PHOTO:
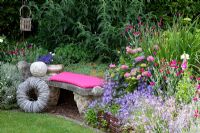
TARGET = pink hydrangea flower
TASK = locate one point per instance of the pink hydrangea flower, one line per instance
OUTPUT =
(126, 75)
(150, 58)
(112, 66)
(124, 67)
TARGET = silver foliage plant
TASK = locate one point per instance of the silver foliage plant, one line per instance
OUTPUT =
(24, 100)
(9, 80)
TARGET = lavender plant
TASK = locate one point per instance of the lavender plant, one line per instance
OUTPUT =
(9, 80)
(46, 58)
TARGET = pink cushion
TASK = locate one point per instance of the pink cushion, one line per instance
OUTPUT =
(83, 81)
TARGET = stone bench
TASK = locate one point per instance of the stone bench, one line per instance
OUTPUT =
(82, 95)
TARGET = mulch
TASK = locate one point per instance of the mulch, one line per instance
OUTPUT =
(66, 106)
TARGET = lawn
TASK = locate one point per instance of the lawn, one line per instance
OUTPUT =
(19, 122)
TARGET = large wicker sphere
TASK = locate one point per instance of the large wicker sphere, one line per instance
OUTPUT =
(38, 69)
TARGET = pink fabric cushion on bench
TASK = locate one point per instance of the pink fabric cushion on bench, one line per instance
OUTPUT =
(83, 81)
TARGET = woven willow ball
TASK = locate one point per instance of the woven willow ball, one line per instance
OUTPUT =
(38, 69)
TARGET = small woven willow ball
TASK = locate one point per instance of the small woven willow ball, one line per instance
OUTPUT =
(38, 69)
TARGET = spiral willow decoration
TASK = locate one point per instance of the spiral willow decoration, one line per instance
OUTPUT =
(25, 102)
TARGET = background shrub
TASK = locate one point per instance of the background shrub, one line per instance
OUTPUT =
(168, 8)
(95, 25)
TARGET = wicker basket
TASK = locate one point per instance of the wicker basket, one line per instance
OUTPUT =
(25, 22)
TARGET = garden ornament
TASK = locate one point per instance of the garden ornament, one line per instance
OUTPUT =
(25, 22)
(38, 69)
(25, 98)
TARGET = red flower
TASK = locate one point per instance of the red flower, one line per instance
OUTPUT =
(168, 72)
(142, 70)
(128, 27)
(136, 34)
(179, 73)
(198, 78)
(155, 64)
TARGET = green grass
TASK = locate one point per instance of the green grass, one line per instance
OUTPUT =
(19, 122)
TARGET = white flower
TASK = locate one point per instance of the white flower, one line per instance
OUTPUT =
(185, 56)
(1, 40)
(9, 97)
(53, 54)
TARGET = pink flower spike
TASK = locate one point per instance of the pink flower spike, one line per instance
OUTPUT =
(150, 58)
(152, 83)
(184, 65)
(112, 66)
(124, 67)
(126, 75)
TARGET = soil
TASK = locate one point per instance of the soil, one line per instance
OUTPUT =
(66, 106)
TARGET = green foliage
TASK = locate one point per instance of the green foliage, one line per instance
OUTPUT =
(185, 89)
(91, 117)
(9, 80)
(114, 109)
(70, 54)
(95, 25)
(9, 16)
(168, 8)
